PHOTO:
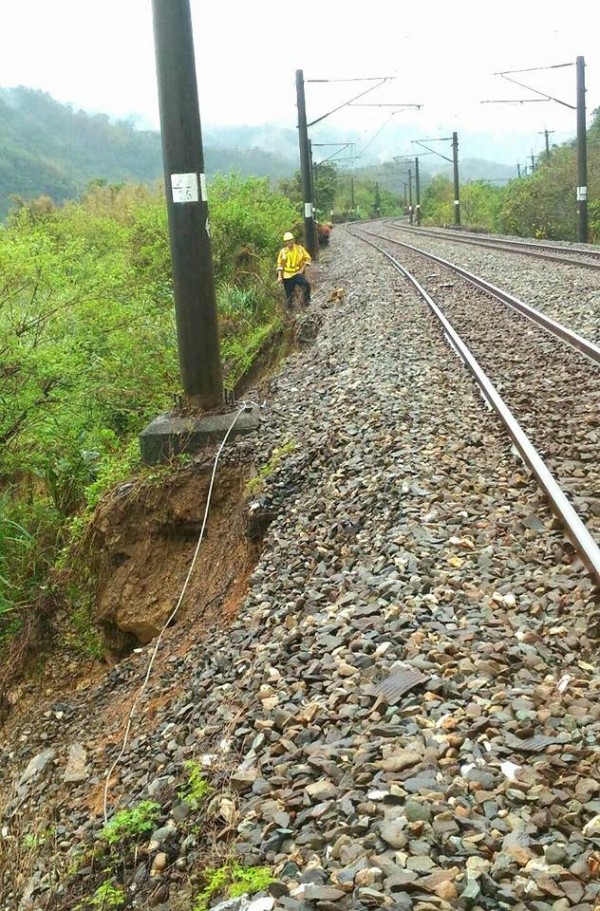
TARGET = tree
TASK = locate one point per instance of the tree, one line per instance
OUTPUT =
(326, 180)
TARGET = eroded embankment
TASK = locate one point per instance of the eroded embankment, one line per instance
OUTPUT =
(140, 545)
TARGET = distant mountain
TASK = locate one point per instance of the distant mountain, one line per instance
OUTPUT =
(478, 169)
(47, 148)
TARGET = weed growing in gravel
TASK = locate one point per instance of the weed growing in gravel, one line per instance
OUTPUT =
(196, 787)
(254, 485)
(250, 880)
(34, 840)
(106, 898)
(131, 823)
(234, 881)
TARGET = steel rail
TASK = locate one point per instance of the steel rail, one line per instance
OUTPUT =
(582, 345)
(575, 529)
(568, 256)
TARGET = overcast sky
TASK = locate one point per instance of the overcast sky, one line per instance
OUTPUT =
(99, 55)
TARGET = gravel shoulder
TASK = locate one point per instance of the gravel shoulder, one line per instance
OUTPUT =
(569, 294)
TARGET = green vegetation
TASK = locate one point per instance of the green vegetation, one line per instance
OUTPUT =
(254, 485)
(88, 356)
(197, 788)
(48, 149)
(232, 880)
(85, 639)
(107, 897)
(131, 823)
(541, 204)
(34, 840)
(334, 192)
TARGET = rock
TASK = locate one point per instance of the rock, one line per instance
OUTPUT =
(35, 767)
(243, 779)
(393, 833)
(592, 828)
(161, 837)
(397, 762)
(159, 864)
(321, 790)
(314, 893)
(417, 811)
(77, 767)
(368, 877)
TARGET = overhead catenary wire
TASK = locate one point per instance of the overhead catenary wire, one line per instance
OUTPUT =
(374, 137)
(242, 408)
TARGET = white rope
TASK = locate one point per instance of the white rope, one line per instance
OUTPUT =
(142, 689)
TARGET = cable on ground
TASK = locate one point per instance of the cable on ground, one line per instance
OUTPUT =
(242, 408)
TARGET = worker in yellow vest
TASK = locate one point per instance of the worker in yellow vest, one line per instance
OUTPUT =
(291, 263)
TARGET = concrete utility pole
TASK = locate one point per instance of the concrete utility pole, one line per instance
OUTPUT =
(418, 193)
(582, 190)
(456, 181)
(352, 194)
(185, 187)
(546, 135)
(310, 234)
(453, 161)
(377, 200)
(313, 173)
(532, 157)
(518, 168)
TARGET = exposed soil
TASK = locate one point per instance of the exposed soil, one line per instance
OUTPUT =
(142, 542)
(140, 547)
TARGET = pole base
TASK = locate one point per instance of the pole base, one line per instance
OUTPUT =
(170, 434)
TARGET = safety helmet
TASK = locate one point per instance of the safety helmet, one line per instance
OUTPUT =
(288, 235)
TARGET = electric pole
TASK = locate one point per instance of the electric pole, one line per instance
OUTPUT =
(546, 134)
(518, 168)
(532, 156)
(313, 172)
(418, 193)
(582, 206)
(352, 195)
(310, 234)
(579, 108)
(377, 201)
(456, 182)
(187, 207)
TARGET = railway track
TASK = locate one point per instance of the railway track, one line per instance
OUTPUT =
(587, 257)
(546, 374)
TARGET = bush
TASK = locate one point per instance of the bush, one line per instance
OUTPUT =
(88, 351)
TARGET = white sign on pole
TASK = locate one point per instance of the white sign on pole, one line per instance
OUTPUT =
(184, 187)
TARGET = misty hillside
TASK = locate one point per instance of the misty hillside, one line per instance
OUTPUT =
(477, 169)
(47, 148)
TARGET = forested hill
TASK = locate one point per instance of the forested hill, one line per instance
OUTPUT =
(47, 148)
